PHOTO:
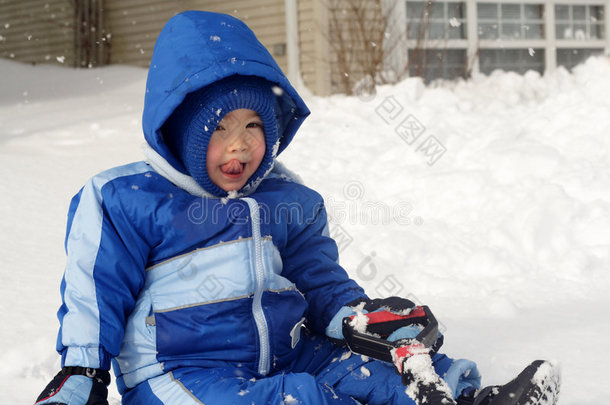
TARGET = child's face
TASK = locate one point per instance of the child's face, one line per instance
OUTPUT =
(236, 149)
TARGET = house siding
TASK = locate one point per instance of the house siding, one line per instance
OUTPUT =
(37, 31)
(314, 46)
(135, 24)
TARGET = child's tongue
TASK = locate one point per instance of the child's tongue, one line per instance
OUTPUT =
(233, 167)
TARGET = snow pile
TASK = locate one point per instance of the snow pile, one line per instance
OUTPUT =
(487, 200)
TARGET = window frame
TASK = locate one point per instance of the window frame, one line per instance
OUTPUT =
(445, 20)
(522, 21)
(571, 21)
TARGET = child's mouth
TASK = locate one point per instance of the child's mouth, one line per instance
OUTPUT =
(233, 168)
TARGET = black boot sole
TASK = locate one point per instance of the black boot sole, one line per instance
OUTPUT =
(537, 384)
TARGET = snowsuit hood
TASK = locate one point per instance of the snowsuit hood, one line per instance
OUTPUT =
(198, 48)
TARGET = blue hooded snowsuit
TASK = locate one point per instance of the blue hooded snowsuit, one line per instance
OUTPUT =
(197, 299)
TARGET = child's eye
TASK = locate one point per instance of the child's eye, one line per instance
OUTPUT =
(255, 125)
(219, 128)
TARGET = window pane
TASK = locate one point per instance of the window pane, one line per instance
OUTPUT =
(563, 31)
(511, 31)
(457, 32)
(516, 60)
(534, 31)
(415, 10)
(562, 12)
(456, 10)
(596, 13)
(597, 31)
(572, 57)
(578, 13)
(436, 30)
(533, 11)
(580, 31)
(456, 57)
(511, 12)
(488, 31)
(437, 64)
(413, 30)
(487, 11)
(437, 10)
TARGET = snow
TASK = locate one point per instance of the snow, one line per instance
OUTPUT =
(365, 371)
(289, 399)
(420, 367)
(346, 355)
(487, 200)
(359, 322)
(548, 377)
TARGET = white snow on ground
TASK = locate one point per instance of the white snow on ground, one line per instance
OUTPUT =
(505, 234)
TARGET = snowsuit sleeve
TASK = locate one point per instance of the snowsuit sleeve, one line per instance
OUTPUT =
(105, 270)
(311, 262)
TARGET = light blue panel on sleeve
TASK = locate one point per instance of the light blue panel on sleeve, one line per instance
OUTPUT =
(80, 295)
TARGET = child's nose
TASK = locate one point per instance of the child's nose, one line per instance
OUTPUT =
(238, 142)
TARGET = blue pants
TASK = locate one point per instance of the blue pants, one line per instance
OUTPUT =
(324, 374)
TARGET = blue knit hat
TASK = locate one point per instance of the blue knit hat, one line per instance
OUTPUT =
(188, 130)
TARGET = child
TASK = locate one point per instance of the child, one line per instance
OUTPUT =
(193, 274)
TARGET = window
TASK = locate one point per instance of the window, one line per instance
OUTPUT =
(437, 63)
(572, 57)
(579, 22)
(510, 21)
(437, 33)
(436, 20)
(514, 60)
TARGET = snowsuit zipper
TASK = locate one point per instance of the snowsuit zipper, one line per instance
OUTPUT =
(259, 278)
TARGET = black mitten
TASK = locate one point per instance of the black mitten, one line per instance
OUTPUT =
(76, 386)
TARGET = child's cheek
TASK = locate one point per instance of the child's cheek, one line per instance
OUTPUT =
(214, 154)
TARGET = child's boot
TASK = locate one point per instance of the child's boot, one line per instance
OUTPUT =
(537, 384)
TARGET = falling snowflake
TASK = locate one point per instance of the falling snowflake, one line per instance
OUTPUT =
(454, 22)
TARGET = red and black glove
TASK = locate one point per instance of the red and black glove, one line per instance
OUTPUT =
(392, 319)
